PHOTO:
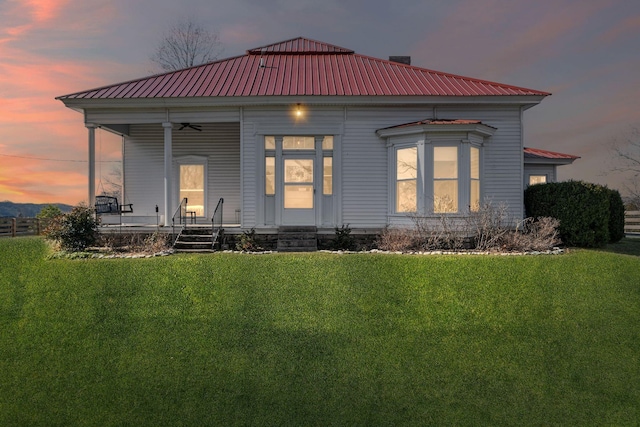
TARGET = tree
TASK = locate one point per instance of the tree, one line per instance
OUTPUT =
(627, 161)
(186, 44)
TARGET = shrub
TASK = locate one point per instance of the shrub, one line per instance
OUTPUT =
(247, 242)
(74, 231)
(532, 234)
(343, 240)
(616, 216)
(49, 212)
(488, 226)
(396, 239)
(581, 208)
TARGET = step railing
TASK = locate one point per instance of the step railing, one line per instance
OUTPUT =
(216, 222)
(181, 214)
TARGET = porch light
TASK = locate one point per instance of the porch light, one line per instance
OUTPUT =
(298, 111)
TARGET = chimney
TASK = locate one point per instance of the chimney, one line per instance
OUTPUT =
(401, 59)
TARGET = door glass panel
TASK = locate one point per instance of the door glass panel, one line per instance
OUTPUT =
(298, 143)
(298, 171)
(298, 196)
(192, 187)
(298, 183)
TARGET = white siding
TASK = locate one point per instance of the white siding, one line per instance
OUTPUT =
(502, 154)
(364, 186)
(144, 164)
(258, 122)
(539, 169)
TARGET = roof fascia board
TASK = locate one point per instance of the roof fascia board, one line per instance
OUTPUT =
(478, 129)
(532, 161)
(80, 104)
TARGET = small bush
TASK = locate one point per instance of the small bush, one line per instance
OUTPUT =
(581, 208)
(247, 242)
(532, 234)
(74, 231)
(343, 240)
(396, 239)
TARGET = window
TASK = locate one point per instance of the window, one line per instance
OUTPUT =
(269, 142)
(327, 176)
(298, 143)
(407, 179)
(474, 184)
(270, 175)
(327, 143)
(537, 179)
(445, 179)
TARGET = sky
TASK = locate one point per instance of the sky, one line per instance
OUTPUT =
(585, 52)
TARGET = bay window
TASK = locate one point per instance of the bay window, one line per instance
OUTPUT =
(406, 179)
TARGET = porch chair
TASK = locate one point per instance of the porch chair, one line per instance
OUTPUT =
(109, 205)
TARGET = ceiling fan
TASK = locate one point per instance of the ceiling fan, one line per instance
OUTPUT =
(189, 125)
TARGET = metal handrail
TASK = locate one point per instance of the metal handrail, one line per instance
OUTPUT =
(217, 213)
(182, 208)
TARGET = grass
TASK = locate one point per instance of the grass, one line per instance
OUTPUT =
(318, 339)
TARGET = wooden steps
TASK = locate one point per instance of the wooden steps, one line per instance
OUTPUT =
(194, 239)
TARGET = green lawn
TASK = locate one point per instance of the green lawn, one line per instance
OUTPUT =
(318, 339)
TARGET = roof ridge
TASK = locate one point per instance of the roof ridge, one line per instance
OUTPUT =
(330, 48)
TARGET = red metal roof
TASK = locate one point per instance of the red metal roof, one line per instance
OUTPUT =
(302, 67)
(534, 153)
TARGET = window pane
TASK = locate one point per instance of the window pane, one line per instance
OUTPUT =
(298, 196)
(298, 143)
(270, 176)
(445, 196)
(327, 169)
(445, 162)
(537, 179)
(407, 163)
(475, 163)
(192, 187)
(474, 203)
(269, 142)
(406, 196)
(327, 143)
(298, 170)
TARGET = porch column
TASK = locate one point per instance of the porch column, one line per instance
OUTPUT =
(168, 172)
(91, 127)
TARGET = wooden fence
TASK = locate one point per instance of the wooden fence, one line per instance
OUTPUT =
(632, 222)
(13, 227)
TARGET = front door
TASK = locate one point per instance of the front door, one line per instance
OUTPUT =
(298, 189)
(192, 187)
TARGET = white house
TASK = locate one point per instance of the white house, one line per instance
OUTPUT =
(307, 133)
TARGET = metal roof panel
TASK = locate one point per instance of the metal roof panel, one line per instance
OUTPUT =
(302, 67)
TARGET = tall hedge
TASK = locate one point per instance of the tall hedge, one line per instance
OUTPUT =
(582, 208)
(616, 216)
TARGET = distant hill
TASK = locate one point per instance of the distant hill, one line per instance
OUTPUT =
(27, 210)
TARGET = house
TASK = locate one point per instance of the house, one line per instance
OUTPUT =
(303, 132)
(540, 166)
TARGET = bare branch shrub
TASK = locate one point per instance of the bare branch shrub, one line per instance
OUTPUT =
(489, 225)
(396, 239)
(135, 242)
(439, 233)
(533, 234)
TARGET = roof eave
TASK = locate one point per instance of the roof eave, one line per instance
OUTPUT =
(540, 161)
(83, 103)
